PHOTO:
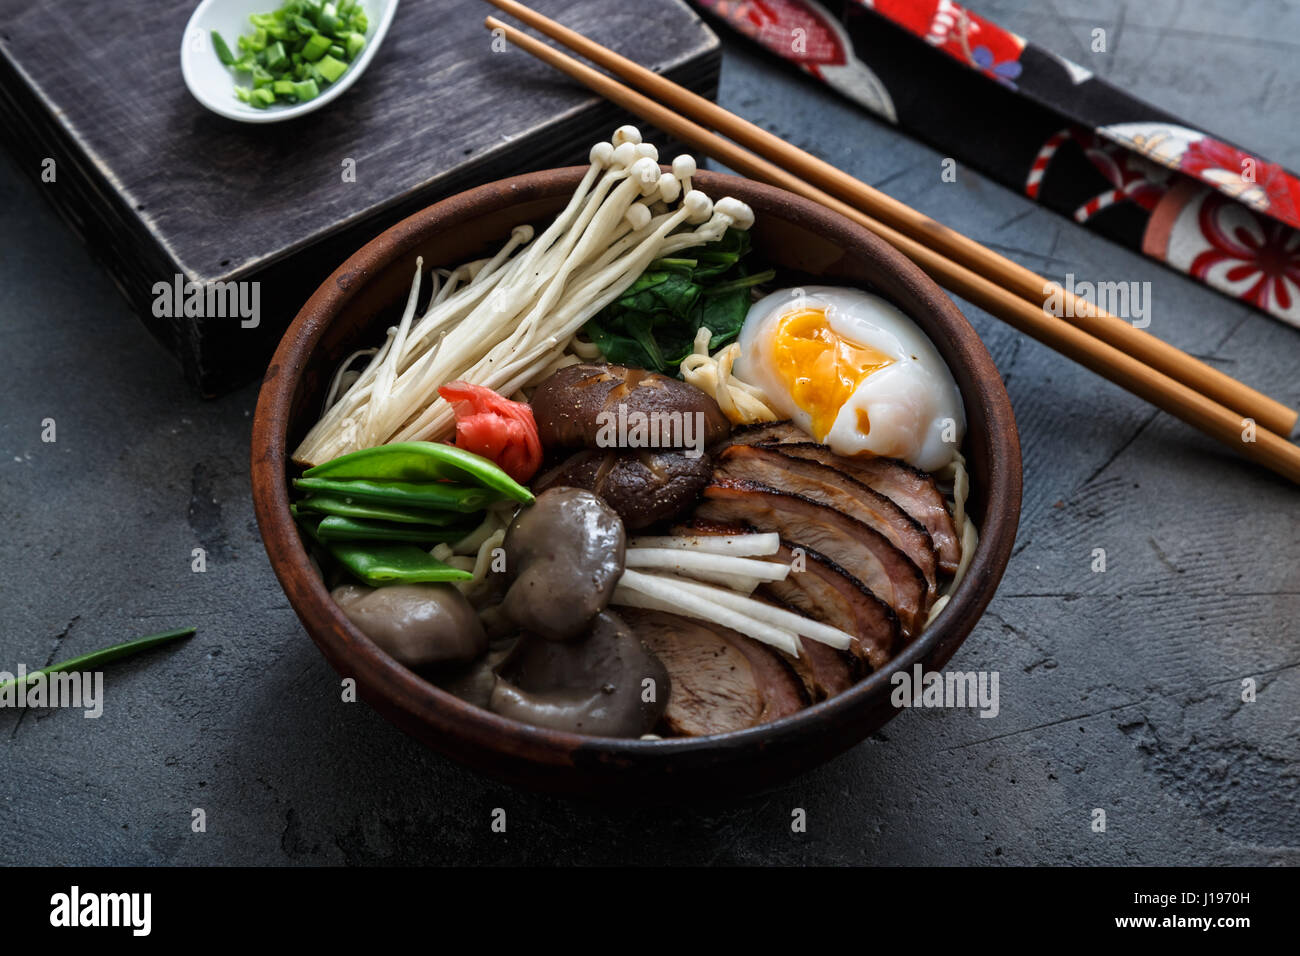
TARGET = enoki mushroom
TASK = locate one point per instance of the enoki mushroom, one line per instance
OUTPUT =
(506, 322)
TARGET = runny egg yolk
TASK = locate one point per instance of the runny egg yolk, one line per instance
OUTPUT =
(820, 368)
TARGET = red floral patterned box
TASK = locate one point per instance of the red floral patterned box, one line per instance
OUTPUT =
(1048, 127)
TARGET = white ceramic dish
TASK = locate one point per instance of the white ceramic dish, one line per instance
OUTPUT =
(213, 83)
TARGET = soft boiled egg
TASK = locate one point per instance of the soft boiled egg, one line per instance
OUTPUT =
(855, 373)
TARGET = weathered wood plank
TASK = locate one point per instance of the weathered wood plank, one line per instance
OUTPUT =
(157, 185)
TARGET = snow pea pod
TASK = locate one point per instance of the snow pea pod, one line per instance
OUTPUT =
(337, 505)
(339, 528)
(422, 461)
(379, 563)
(426, 495)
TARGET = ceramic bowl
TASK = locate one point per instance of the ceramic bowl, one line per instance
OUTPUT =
(365, 295)
(213, 83)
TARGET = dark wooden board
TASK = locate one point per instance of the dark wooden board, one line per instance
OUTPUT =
(156, 185)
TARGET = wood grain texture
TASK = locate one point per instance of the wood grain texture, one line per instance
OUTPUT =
(157, 185)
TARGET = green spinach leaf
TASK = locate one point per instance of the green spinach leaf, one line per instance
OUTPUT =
(653, 324)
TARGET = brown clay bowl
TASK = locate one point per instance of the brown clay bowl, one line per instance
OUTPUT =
(365, 294)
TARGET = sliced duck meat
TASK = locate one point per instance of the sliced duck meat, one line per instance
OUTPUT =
(826, 592)
(910, 488)
(820, 589)
(765, 433)
(721, 681)
(769, 465)
(823, 671)
(857, 548)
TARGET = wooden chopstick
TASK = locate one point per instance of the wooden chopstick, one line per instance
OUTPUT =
(953, 245)
(1124, 370)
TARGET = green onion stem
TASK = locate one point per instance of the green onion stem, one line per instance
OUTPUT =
(105, 655)
(742, 283)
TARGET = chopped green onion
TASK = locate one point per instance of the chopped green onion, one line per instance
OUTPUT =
(276, 57)
(331, 68)
(316, 47)
(292, 52)
(223, 51)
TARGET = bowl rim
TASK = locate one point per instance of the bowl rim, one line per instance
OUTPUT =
(354, 655)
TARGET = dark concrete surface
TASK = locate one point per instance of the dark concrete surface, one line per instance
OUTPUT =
(1119, 690)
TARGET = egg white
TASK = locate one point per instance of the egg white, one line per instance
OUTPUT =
(912, 404)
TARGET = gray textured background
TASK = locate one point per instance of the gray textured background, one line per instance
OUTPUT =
(1118, 690)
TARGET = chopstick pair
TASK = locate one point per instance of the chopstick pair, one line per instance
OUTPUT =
(1166, 377)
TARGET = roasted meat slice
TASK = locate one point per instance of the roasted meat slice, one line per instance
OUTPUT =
(824, 671)
(769, 465)
(764, 433)
(825, 592)
(721, 681)
(911, 489)
(822, 592)
(861, 551)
